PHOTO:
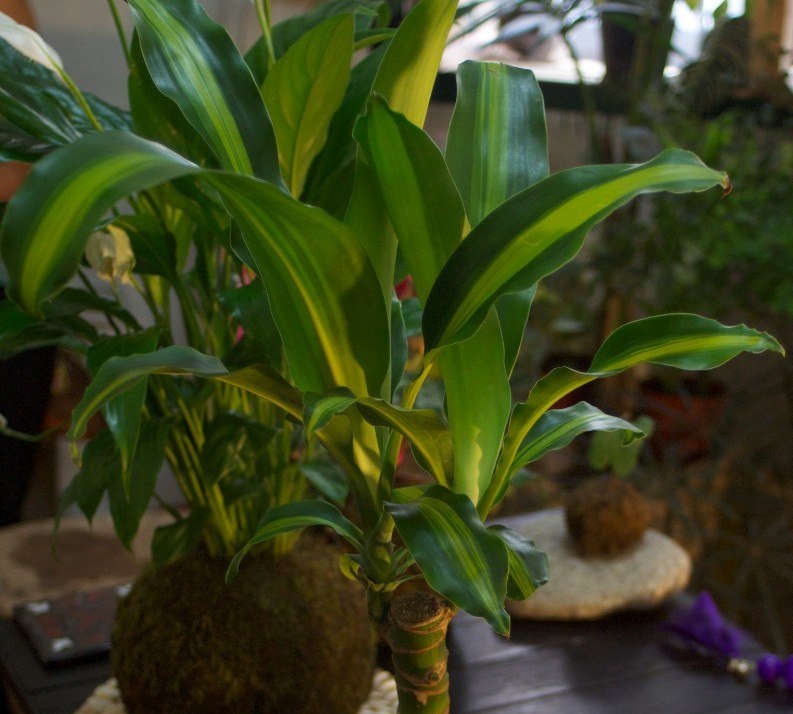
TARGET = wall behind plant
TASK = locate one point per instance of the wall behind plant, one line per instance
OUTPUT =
(82, 31)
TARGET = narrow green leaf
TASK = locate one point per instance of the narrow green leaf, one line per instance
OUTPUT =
(539, 230)
(194, 62)
(528, 565)
(119, 374)
(460, 558)
(473, 373)
(123, 413)
(296, 516)
(332, 175)
(47, 223)
(404, 79)
(263, 381)
(157, 117)
(302, 92)
(556, 428)
(127, 505)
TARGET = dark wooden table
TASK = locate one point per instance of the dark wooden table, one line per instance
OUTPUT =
(612, 666)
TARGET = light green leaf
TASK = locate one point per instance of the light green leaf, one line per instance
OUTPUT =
(473, 373)
(302, 91)
(419, 194)
(48, 222)
(330, 181)
(194, 62)
(539, 230)
(296, 516)
(460, 558)
(528, 565)
(556, 428)
(404, 79)
(407, 74)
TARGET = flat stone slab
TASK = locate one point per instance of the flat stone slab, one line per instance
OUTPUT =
(590, 588)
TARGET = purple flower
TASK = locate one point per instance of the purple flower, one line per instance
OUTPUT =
(703, 628)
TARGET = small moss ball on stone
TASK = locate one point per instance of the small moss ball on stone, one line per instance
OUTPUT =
(606, 516)
(287, 635)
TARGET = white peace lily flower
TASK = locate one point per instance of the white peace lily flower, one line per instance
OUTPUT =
(109, 253)
(29, 43)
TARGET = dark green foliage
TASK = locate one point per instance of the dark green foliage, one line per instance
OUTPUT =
(287, 636)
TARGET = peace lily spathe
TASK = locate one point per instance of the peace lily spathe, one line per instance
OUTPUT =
(29, 43)
(110, 254)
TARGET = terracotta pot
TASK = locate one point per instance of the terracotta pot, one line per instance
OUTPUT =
(685, 419)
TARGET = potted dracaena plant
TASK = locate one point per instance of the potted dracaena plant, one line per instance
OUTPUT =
(330, 183)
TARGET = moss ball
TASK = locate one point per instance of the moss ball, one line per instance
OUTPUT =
(287, 635)
(606, 517)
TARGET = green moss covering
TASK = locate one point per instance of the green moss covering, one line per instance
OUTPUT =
(288, 636)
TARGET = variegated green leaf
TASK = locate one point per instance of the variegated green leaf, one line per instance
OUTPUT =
(423, 428)
(460, 558)
(404, 79)
(539, 230)
(194, 62)
(321, 408)
(497, 147)
(556, 428)
(48, 222)
(422, 202)
(321, 287)
(676, 340)
(408, 71)
(428, 218)
(302, 92)
(528, 565)
(497, 142)
(296, 516)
